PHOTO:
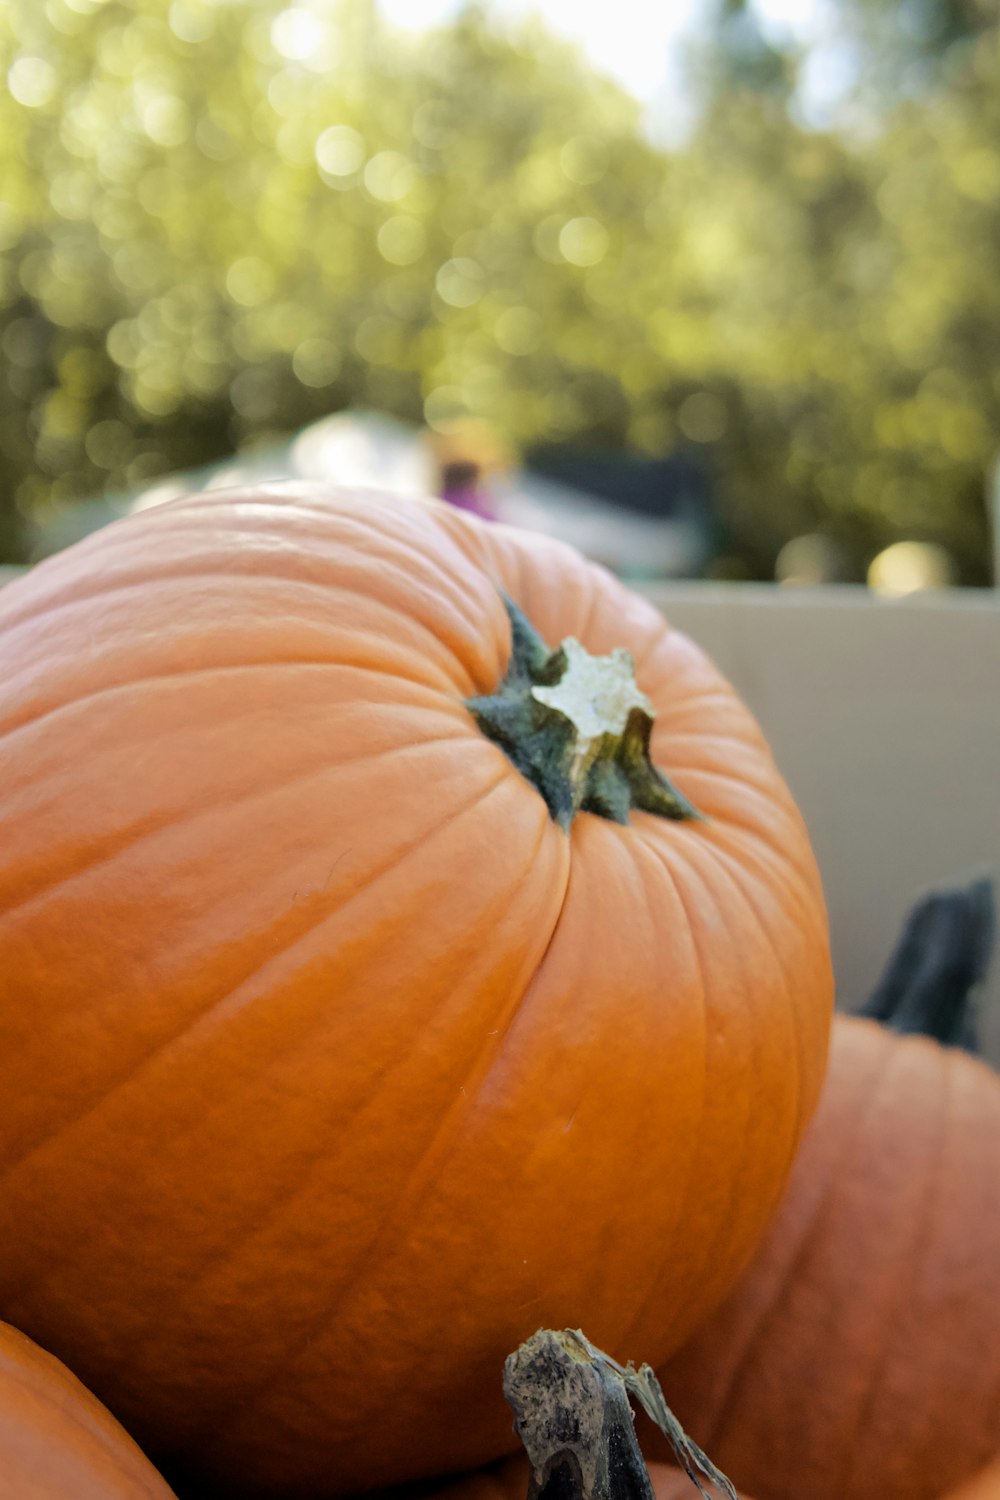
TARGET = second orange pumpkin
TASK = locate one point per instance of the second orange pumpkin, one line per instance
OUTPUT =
(859, 1357)
(56, 1441)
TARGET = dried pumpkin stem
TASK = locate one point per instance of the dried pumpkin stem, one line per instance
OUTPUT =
(572, 1413)
(932, 981)
(578, 727)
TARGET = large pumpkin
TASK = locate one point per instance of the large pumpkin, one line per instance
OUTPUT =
(859, 1357)
(56, 1441)
(337, 1057)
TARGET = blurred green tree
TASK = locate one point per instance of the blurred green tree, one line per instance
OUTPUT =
(732, 54)
(219, 221)
(904, 47)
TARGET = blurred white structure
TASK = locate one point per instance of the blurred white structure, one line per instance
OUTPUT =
(373, 451)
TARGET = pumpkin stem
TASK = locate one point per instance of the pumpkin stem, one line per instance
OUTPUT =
(578, 727)
(931, 981)
(571, 1411)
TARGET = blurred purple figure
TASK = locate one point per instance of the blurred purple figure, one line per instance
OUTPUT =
(460, 484)
(465, 459)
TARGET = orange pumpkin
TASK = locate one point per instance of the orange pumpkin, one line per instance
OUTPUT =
(982, 1486)
(338, 1058)
(859, 1358)
(56, 1441)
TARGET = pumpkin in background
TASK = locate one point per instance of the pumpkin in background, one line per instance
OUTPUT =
(859, 1357)
(982, 1486)
(338, 1054)
(56, 1441)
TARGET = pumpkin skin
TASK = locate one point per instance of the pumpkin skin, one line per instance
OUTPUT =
(859, 1357)
(57, 1442)
(333, 1066)
(982, 1486)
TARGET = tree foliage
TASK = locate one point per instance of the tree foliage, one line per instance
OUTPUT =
(219, 221)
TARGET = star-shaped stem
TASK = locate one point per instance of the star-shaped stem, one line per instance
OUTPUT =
(578, 727)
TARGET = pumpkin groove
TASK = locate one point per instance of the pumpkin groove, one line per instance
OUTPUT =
(316, 1038)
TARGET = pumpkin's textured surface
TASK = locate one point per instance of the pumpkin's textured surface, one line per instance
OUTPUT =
(56, 1441)
(859, 1357)
(333, 1065)
(982, 1486)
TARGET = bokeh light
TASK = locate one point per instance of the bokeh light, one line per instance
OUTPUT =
(909, 568)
